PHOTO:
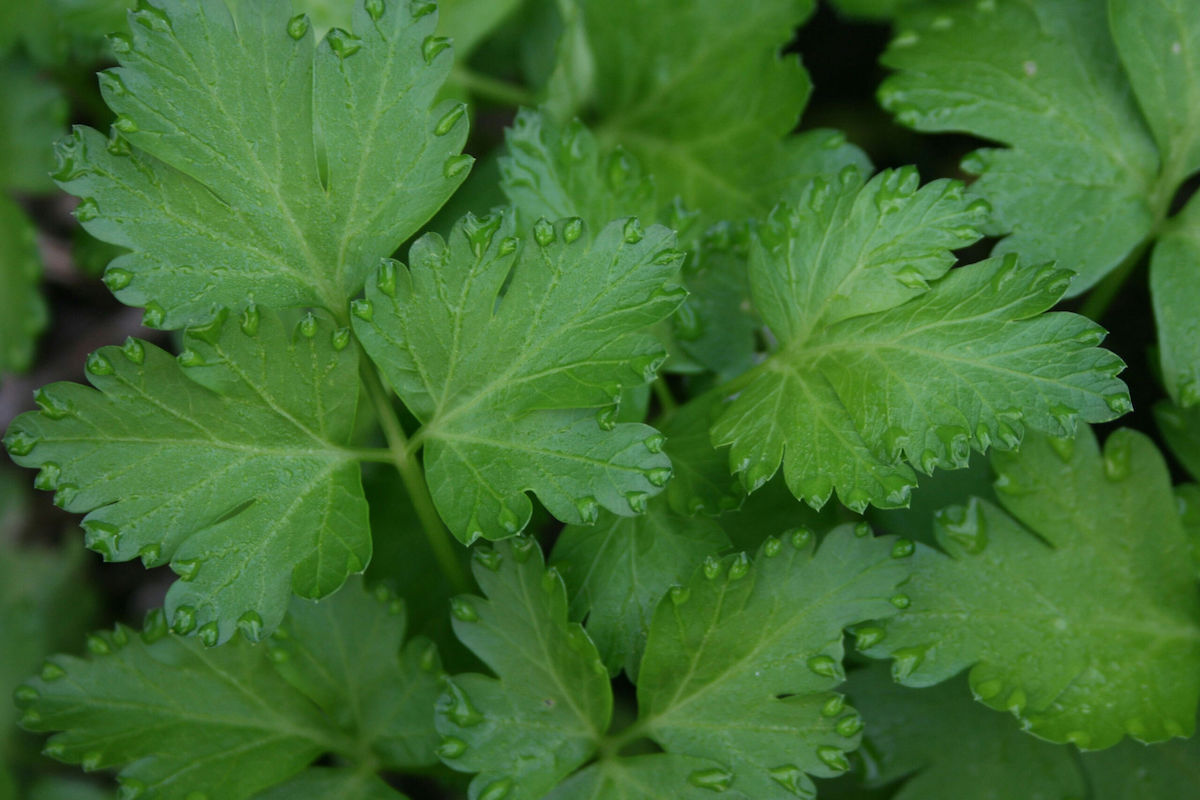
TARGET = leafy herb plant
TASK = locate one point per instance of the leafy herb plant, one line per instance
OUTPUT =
(629, 423)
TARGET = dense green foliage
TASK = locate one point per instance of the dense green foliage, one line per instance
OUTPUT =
(714, 392)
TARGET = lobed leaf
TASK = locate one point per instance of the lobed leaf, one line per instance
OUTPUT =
(249, 162)
(1078, 610)
(515, 389)
(229, 463)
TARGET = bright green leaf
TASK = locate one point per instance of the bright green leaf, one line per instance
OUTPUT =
(617, 570)
(20, 273)
(542, 716)
(264, 165)
(517, 395)
(741, 660)
(949, 748)
(1077, 182)
(885, 355)
(1080, 612)
(228, 463)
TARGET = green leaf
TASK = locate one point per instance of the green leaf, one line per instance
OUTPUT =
(468, 22)
(179, 719)
(34, 113)
(1131, 771)
(347, 655)
(1175, 292)
(1181, 430)
(949, 748)
(700, 482)
(1076, 183)
(228, 463)
(264, 165)
(322, 783)
(741, 660)
(885, 355)
(1159, 43)
(542, 716)
(1080, 612)
(660, 776)
(617, 570)
(517, 395)
(699, 92)
(20, 274)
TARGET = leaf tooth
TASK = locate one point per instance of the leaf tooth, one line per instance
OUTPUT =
(588, 508)
(117, 279)
(632, 232)
(451, 747)
(833, 757)
(102, 537)
(251, 626)
(153, 315)
(184, 621)
(363, 309)
(209, 634)
(462, 610)
(637, 501)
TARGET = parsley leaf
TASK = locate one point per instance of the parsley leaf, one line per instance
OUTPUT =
(1080, 612)
(283, 183)
(544, 713)
(507, 392)
(34, 113)
(1175, 292)
(883, 354)
(617, 570)
(179, 718)
(228, 462)
(20, 272)
(322, 783)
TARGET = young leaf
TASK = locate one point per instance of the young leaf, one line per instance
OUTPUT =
(1080, 612)
(876, 364)
(617, 570)
(1175, 291)
(507, 388)
(1077, 183)
(741, 660)
(264, 165)
(701, 95)
(228, 463)
(180, 719)
(543, 715)
(949, 748)
(20, 272)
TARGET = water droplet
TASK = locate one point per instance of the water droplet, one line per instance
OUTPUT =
(862, 530)
(906, 660)
(25, 695)
(508, 246)
(1016, 701)
(572, 230)
(488, 558)
(497, 790)
(51, 672)
(185, 620)
(911, 278)
(867, 636)
(988, 689)
(715, 779)
(432, 46)
(429, 658)
(297, 26)
(1120, 403)
(374, 9)
(906, 38)
(362, 309)
(131, 788)
(103, 538)
(251, 626)
(1065, 416)
(96, 645)
(633, 232)
(712, 567)
(87, 210)
(543, 232)
(637, 501)
(522, 548)
(117, 279)
(152, 17)
(91, 761)
(824, 665)
(308, 326)
(457, 706)
(849, 725)
(680, 595)
(449, 120)
(688, 325)
(658, 475)
(457, 165)
(111, 84)
(187, 568)
(1118, 457)
(153, 315)
(343, 43)
(739, 567)
(618, 168)
(801, 538)
(340, 339)
(903, 548)
(154, 627)
(189, 358)
(833, 758)
(451, 747)
(463, 610)
(589, 509)
(421, 8)
(901, 601)
(550, 580)
(125, 125)
(208, 634)
(757, 475)
(98, 364)
(47, 477)
(120, 43)
(151, 555)
(772, 547)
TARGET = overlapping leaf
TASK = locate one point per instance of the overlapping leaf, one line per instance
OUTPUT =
(543, 715)
(229, 463)
(884, 355)
(1076, 184)
(1080, 612)
(734, 683)
(20, 272)
(617, 570)
(32, 114)
(249, 162)
(1175, 291)
(181, 720)
(515, 393)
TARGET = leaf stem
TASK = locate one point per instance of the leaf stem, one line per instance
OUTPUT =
(403, 457)
(493, 89)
